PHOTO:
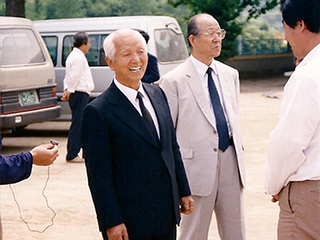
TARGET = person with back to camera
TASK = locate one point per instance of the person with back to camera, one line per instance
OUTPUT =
(78, 84)
(135, 172)
(293, 160)
(152, 72)
(203, 96)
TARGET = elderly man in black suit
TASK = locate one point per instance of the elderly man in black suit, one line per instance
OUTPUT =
(135, 172)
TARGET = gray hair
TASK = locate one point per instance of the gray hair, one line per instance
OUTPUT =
(109, 46)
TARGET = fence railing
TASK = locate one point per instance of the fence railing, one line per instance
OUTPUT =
(262, 46)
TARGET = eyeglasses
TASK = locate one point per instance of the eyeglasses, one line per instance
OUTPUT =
(221, 34)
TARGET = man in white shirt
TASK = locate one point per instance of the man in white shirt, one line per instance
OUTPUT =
(78, 84)
(293, 163)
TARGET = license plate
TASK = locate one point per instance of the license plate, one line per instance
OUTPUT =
(28, 97)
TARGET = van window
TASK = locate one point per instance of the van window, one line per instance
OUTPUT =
(170, 46)
(95, 55)
(52, 45)
(19, 47)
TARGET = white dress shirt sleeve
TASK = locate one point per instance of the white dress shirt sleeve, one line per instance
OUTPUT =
(293, 151)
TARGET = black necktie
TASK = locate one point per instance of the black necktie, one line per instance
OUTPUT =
(222, 127)
(147, 117)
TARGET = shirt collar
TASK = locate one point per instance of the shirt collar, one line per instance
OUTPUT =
(78, 50)
(130, 93)
(314, 52)
(201, 67)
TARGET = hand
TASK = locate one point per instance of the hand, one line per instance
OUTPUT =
(66, 95)
(275, 198)
(118, 232)
(187, 205)
(45, 154)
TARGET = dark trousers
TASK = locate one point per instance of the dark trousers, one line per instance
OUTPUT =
(171, 235)
(77, 102)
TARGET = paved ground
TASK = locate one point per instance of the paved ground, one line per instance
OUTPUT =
(69, 196)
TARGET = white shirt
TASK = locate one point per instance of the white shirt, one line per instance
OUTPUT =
(78, 74)
(294, 151)
(202, 70)
(131, 94)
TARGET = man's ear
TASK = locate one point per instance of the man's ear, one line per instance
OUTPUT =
(110, 63)
(191, 40)
(302, 25)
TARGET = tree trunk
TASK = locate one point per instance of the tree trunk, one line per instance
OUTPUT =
(15, 8)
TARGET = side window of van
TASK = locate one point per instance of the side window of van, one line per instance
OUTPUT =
(66, 48)
(101, 53)
(19, 47)
(52, 45)
(95, 55)
(170, 46)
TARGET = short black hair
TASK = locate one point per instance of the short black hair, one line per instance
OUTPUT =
(145, 35)
(298, 10)
(193, 28)
(80, 38)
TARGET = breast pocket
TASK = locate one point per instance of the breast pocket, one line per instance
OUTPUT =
(187, 153)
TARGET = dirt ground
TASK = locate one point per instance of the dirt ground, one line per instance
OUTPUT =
(69, 196)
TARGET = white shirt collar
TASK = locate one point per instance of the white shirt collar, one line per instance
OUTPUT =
(78, 50)
(130, 93)
(309, 57)
(201, 67)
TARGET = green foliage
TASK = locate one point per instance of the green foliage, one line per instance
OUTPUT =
(260, 37)
(2, 7)
(228, 12)
(55, 9)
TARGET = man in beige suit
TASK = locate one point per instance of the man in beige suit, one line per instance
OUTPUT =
(210, 141)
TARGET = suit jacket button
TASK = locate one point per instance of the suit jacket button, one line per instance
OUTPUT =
(215, 149)
(214, 131)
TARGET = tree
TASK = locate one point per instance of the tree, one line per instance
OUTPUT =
(65, 9)
(260, 37)
(15, 8)
(227, 12)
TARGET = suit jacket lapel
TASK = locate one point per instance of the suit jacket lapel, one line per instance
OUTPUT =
(199, 94)
(225, 81)
(128, 114)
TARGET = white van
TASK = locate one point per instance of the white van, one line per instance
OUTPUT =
(166, 43)
(27, 78)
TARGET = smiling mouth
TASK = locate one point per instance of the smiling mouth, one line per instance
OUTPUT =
(136, 69)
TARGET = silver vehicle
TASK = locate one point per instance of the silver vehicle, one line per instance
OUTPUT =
(27, 78)
(166, 43)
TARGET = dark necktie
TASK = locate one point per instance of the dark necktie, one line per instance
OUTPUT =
(147, 117)
(222, 127)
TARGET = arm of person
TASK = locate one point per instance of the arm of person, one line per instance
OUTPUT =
(73, 69)
(171, 96)
(118, 232)
(187, 205)
(45, 154)
(15, 168)
(66, 95)
(289, 141)
(183, 184)
(96, 147)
